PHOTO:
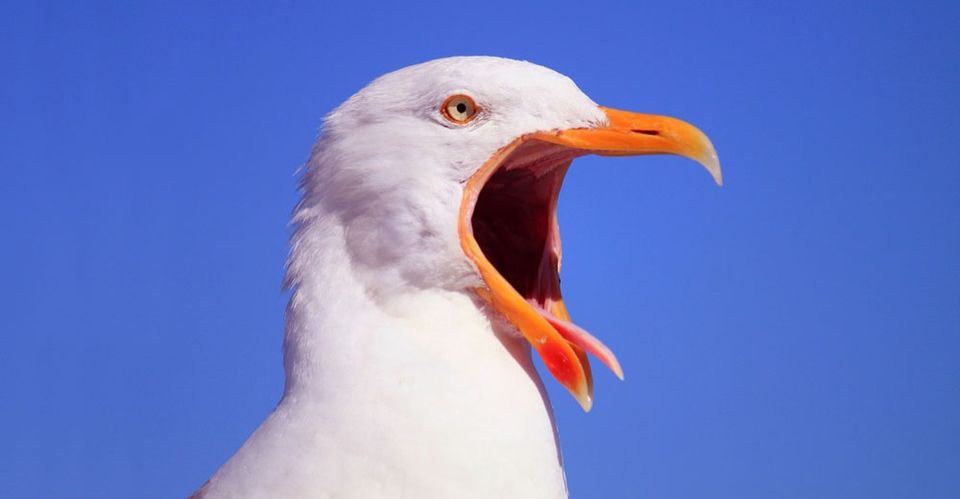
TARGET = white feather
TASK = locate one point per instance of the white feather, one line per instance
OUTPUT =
(399, 382)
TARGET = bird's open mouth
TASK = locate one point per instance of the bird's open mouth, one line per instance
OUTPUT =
(508, 228)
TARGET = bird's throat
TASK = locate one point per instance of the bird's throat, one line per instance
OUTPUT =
(422, 381)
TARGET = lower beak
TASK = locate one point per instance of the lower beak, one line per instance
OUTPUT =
(560, 344)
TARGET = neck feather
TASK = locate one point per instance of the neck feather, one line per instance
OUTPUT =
(398, 390)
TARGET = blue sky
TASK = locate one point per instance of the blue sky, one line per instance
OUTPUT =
(795, 333)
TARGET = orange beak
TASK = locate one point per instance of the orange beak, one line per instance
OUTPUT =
(531, 301)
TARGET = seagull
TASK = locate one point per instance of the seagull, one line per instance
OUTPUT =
(424, 272)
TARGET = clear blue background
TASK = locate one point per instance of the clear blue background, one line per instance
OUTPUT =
(793, 334)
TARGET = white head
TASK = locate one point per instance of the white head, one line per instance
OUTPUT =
(446, 174)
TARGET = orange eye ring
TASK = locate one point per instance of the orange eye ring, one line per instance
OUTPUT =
(459, 109)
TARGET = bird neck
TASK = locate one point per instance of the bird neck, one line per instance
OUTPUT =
(346, 310)
(344, 319)
(421, 379)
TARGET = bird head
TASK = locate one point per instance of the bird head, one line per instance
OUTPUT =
(446, 175)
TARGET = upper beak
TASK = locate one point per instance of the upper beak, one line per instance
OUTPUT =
(632, 134)
(560, 344)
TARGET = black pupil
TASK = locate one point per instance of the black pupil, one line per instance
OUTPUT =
(461, 108)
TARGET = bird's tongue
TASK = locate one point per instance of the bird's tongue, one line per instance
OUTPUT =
(547, 299)
(578, 336)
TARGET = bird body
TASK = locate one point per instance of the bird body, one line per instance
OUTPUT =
(407, 354)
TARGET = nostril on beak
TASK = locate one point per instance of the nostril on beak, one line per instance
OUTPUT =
(646, 132)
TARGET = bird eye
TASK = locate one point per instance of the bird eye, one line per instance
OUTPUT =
(459, 109)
